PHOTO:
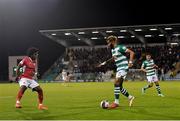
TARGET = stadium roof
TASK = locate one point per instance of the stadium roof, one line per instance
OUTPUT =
(139, 34)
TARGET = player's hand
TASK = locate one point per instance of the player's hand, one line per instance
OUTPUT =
(130, 64)
(114, 57)
(17, 79)
(102, 64)
(155, 66)
(144, 70)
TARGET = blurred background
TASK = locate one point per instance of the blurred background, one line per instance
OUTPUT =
(26, 23)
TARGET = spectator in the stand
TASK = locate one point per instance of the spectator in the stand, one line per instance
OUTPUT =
(65, 77)
(172, 74)
(159, 73)
(162, 74)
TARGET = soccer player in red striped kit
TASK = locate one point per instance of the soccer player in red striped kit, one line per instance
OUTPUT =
(26, 79)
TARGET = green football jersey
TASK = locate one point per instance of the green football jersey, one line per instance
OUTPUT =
(121, 60)
(148, 66)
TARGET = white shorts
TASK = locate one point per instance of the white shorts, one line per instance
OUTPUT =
(152, 78)
(29, 83)
(121, 73)
(64, 78)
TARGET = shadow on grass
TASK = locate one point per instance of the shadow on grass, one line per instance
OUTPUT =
(34, 114)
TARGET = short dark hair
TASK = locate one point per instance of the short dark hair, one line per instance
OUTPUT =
(148, 53)
(31, 51)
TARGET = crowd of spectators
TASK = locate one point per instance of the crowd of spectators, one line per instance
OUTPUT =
(164, 56)
(86, 59)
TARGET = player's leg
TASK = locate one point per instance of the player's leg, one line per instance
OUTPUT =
(124, 91)
(39, 90)
(150, 84)
(19, 96)
(35, 87)
(120, 76)
(64, 81)
(147, 87)
(116, 95)
(116, 91)
(23, 86)
(158, 86)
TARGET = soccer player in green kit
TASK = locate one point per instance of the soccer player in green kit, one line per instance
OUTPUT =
(118, 54)
(149, 68)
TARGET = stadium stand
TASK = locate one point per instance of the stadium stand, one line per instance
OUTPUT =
(83, 60)
(86, 58)
(86, 47)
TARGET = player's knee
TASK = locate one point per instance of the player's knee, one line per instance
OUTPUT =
(37, 89)
(23, 88)
(121, 81)
(40, 90)
(116, 82)
(156, 83)
(150, 85)
(34, 89)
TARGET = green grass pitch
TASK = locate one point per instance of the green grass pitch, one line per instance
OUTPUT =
(81, 101)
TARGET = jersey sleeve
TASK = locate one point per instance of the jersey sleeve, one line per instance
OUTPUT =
(23, 62)
(122, 48)
(153, 61)
(143, 65)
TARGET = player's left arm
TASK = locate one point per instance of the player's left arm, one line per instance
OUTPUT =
(130, 64)
(35, 76)
(142, 69)
(155, 66)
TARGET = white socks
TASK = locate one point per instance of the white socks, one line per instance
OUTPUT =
(17, 101)
(116, 101)
(130, 96)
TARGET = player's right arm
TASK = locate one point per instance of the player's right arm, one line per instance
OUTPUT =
(143, 68)
(18, 73)
(105, 62)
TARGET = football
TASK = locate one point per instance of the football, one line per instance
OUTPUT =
(104, 104)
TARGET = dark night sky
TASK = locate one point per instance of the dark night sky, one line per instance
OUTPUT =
(20, 21)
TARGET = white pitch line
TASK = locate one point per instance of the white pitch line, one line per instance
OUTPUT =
(5, 97)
